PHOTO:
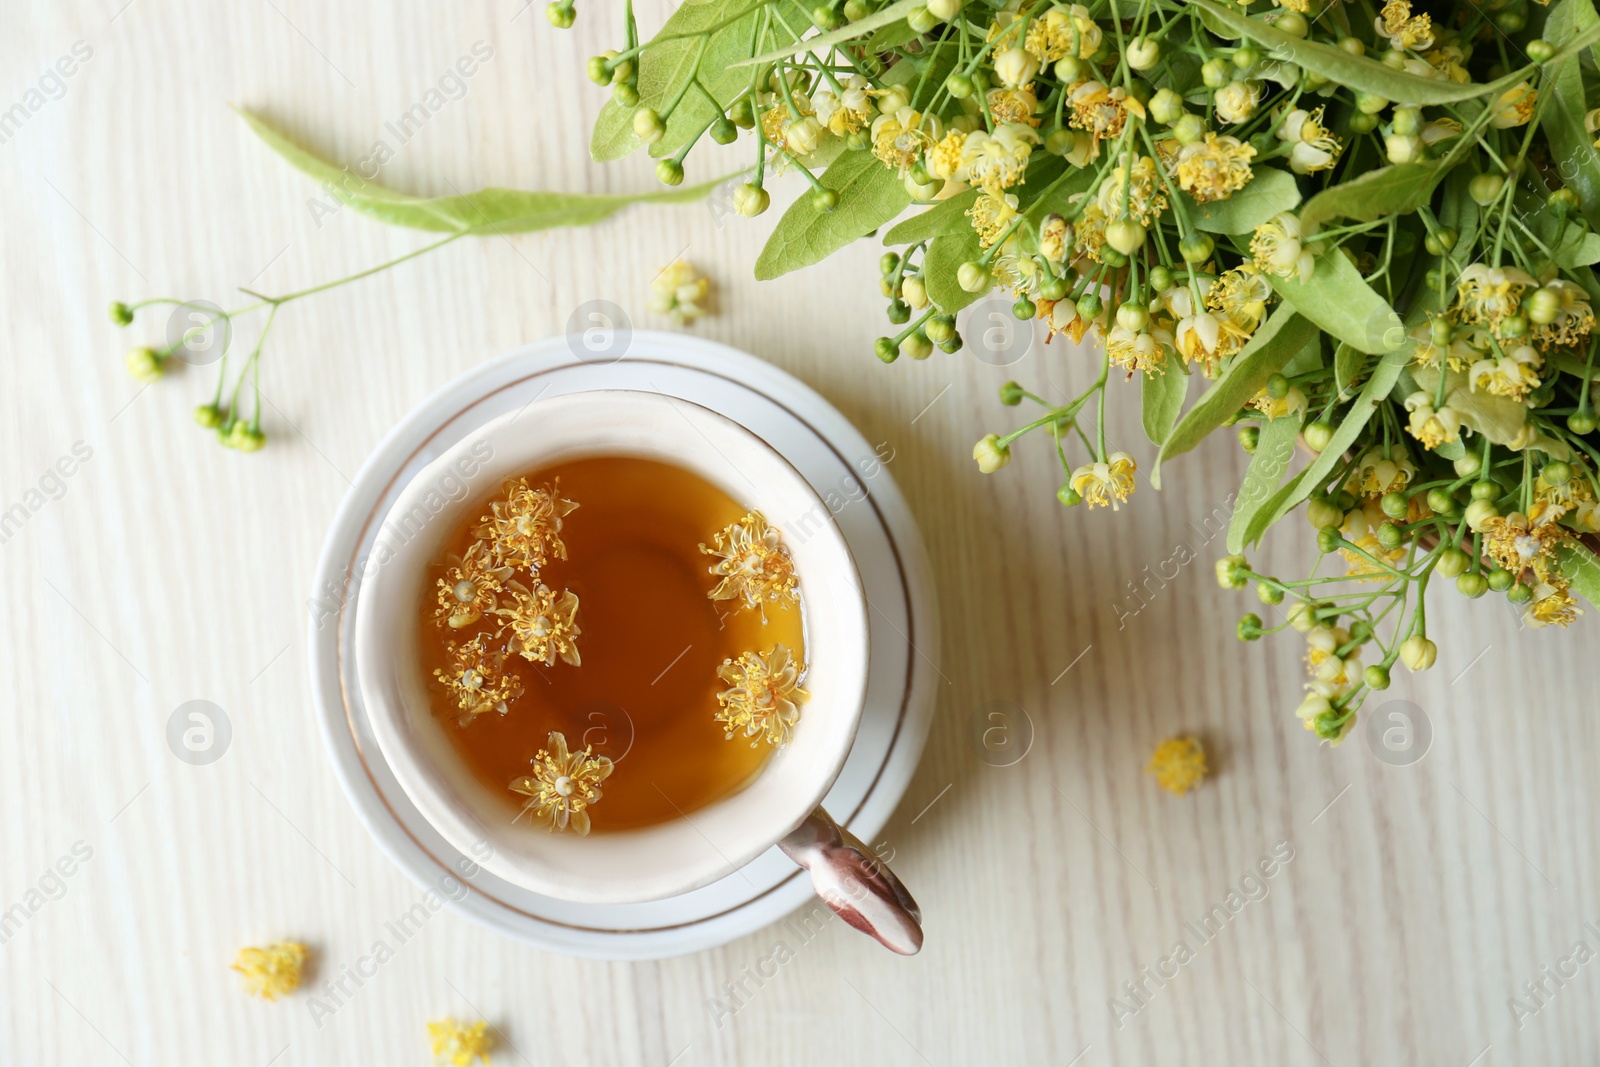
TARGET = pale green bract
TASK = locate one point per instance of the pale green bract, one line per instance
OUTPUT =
(488, 210)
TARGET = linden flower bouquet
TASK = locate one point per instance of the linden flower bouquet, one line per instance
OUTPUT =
(1367, 229)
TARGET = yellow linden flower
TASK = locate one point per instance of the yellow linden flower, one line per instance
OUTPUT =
(1100, 111)
(763, 697)
(1573, 321)
(458, 1043)
(1058, 33)
(1312, 146)
(543, 624)
(1014, 105)
(470, 588)
(900, 139)
(1460, 354)
(1512, 375)
(1143, 350)
(1489, 295)
(1241, 296)
(563, 785)
(944, 159)
(1293, 402)
(477, 681)
(1138, 197)
(679, 291)
(849, 110)
(1090, 230)
(1324, 661)
(1276, 248)
(1514, 107)
(1551, 605)
(1432, 426)
(1377, 473)
(1518, 541)
(991, 214)
(1106, 482)
(1179, 764)
(1403, 30)
(753, 563)
(272, 971)
(1055, 237)
(1364, 568)
(1214, 168)
(998, 160)
(778, 121)
(524, 529)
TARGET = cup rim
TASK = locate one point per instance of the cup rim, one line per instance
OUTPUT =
(433, 774)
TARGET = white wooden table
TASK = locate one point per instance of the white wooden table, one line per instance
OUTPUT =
(163, 568)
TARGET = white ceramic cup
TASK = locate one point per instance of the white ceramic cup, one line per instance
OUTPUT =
(781, 806)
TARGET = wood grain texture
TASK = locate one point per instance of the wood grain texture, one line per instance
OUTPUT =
(1418, 898)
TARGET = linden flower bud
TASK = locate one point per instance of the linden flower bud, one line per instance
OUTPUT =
(1166, 107)
(1015, 67)
(1229, 574)
(121, 313)
(1314, 705)
(1302, 616)
(1403, 148)
(146, 364)
(1480, 512)
(209, 415)
(973, 277)
(1188, 129)
(647, 125)
(944, 10)
(801, 138)
(750, 200)
(1142, 53)
(1125, 235)
(991, 454)
(914, 291)
(561, 15)
(1237, 101)
(917, 346)
(1418, 653)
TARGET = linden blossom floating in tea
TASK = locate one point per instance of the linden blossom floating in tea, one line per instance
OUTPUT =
(677, 657)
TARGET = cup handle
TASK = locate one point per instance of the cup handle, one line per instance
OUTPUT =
(855, 883)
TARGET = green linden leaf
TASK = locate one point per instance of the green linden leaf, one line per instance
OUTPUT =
(870, 194)
(705, 38)
(1285, 500)
(947, 216)
(1571, 146)
(492, 210)
(822, 42)
(1277, 341)
(1274, 450)
(1399, 189)
(1161, 398)
(1582, 568)
(1361, 74)
(1269, 191)
(939, 266)
(1340, 301)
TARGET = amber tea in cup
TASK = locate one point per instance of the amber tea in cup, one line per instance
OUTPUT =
(615, 626)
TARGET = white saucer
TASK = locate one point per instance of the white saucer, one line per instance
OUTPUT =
(838, 462)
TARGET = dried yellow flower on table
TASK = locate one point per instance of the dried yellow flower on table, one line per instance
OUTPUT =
(680, 291)
(524, 529)
(753, 564)
(1179, 764)
(764, 696)
(458, 1043)
(272, 971)
(563, 785)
